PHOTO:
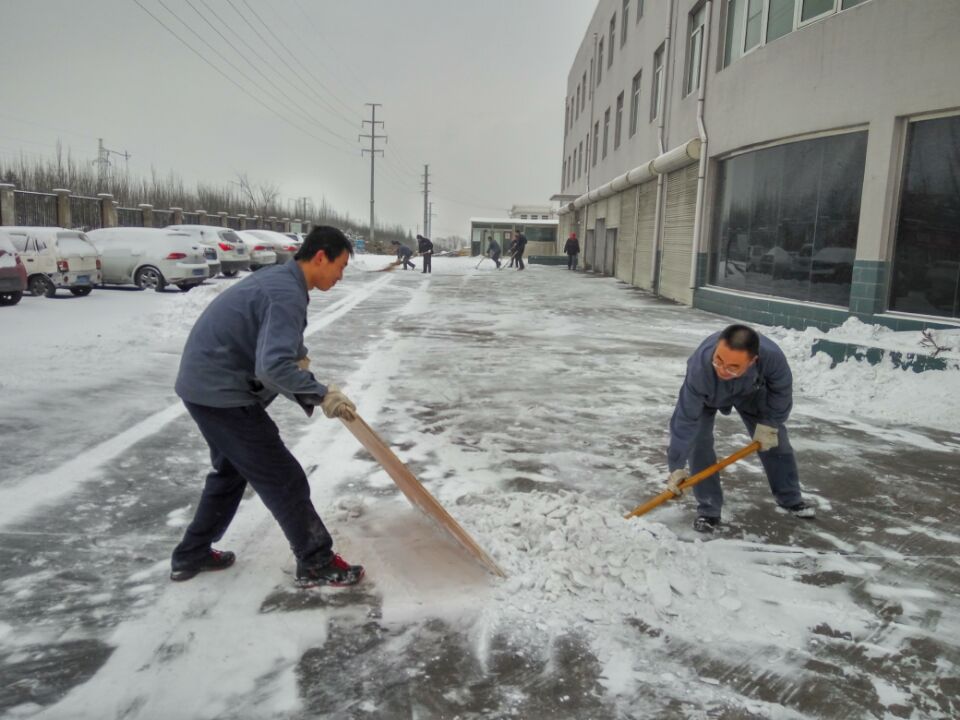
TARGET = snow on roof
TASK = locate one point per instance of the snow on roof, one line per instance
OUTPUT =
(511, 221)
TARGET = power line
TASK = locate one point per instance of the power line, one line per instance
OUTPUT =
(283, 45)
(271, 82)
(240, 87)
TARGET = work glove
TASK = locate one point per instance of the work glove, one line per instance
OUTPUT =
(304, 362)
(767, 437)
(336, 404)
(677, 477)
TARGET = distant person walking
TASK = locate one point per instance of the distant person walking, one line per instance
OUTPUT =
(425, 248)
(493, 250)
(572, 249)
(519, 247)
(244, 350)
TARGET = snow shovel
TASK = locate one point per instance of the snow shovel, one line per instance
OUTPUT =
(416, 493)
(390, 267)
(693, 480)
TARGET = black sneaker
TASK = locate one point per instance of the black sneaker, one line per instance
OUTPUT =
(337, 573)
(215, 560)
(704, 524)
(802, 510)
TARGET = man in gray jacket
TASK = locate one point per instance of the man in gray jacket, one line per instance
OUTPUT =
(735, 368)
(244, 350)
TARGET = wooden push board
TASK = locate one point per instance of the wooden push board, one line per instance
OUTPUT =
(416, 493)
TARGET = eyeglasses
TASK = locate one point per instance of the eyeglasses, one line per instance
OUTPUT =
(733, 370)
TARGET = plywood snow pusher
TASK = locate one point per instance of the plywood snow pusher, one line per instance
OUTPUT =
(693, 480)
(416, 493)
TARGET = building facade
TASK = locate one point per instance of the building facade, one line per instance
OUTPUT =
(789, 162)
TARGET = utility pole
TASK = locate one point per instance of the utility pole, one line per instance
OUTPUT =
(426, 200)
(103, 163)
(430, 216)
(372, 122)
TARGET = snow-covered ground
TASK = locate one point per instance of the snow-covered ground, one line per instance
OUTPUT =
(534, 405)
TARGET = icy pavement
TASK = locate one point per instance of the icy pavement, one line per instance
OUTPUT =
(534, 406)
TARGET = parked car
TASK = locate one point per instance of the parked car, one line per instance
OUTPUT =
(213, 260)
(13, 275)
(832, 264)
(261, 252)
(282, 245)
(231, 252)
(55, 257)
(150, 258)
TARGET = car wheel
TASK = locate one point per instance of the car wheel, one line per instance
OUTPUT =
(148, 277)
(81, 291)
(40, 285)
(10, 298)
(229, 273)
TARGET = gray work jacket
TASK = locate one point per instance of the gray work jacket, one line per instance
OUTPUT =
(244, 347)
(764, 391)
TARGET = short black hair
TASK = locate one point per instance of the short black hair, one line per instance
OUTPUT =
(741, 337)
(324, 237)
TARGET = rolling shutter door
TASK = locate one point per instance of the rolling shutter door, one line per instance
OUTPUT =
(678, 235)
(627, 237)
(645, 220)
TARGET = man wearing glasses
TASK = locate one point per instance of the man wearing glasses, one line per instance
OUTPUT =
(735, 368)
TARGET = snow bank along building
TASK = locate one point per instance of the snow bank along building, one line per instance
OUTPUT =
(788, 162)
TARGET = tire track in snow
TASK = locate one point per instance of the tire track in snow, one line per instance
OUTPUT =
(34, 491)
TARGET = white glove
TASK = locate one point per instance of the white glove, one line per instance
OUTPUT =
(304, 362)
(677, 477)
(336, 404)
(767, 436)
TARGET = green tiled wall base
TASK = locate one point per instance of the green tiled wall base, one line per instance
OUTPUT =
(917, 362)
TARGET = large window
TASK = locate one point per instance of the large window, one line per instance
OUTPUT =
(578, 102)
(613, 36)
(926, 264)
(786, 219)
(596, 141)
(752, 23)
(600, 63)
(580, 161)
(694, 49)
(583, 100)
(780, 18)
(606, 130)
(657, 89)
(624, 18)
(639, 10)
(635, 103)
(618, 123)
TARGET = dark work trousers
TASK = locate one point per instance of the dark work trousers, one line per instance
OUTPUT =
(245, 446)
(428, 263)
(572, 261)
(496, 258)
(779, 464)
(406, 261)
(519, 258)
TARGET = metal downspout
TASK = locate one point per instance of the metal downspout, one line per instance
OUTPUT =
(586, 208)
(702, 170)
(661, 141)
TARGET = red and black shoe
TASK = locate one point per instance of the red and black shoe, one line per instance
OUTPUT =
(337, 573)
(215, 560)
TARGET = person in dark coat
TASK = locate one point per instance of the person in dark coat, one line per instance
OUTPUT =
(520, 245)
(493, 250)
(512, 252)
(572, 249)
(244, 350)
(425, 248)
(735, 369)
(404, 253)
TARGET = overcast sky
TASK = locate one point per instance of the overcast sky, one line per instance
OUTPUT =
(475, 89)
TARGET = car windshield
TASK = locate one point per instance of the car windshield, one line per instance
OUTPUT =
(231, 236)
(19, 242)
